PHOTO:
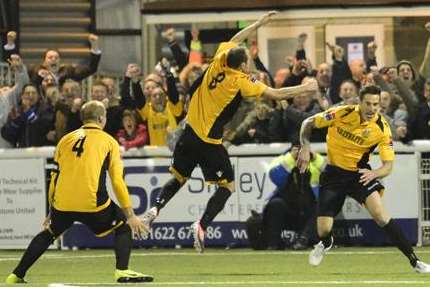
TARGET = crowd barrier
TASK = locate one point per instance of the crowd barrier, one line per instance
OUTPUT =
(24, 176)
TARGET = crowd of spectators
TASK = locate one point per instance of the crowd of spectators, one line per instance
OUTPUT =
(45, 102)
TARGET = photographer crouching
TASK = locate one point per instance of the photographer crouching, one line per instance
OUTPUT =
(292, 205)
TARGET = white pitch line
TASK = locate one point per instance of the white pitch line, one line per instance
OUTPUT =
(47, 256)
(255, 253)
(264, 283)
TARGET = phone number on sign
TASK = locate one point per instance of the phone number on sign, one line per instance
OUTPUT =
(182, 233)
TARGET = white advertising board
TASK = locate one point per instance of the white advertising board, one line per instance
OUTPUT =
(401, 190)
(23, 196)
(22, 201)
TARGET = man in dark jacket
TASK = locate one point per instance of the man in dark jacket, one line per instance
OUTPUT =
(29, 126)
(61, 72)
(419, 123)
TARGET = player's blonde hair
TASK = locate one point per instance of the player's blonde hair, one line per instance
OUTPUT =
(91, 111)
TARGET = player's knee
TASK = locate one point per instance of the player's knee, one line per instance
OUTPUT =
(325, 225)
(381, 219)
(379, 215)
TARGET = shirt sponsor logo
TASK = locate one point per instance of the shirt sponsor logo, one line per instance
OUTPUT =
(348, 135)
(328, 116)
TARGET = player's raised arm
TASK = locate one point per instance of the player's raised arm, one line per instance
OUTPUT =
(244, 33)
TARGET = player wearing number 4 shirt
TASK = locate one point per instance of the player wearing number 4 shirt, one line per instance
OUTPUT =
(353, 134)
(78, 193)
(216, 95)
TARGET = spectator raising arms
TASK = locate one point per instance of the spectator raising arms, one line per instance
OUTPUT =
(10, 47)
(30, 124)
(61, 72)
(9, 97)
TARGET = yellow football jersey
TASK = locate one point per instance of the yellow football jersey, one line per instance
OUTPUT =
(159, 123)
(176, 109)
(82, 158)
(350, 141)
(218, 96)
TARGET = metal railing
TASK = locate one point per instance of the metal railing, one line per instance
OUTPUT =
(424, 180)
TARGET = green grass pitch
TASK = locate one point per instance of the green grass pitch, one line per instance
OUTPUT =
(219, 267)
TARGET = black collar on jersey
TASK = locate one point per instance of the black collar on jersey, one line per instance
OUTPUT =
(91, 126)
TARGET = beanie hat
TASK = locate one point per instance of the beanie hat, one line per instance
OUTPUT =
(405, 62)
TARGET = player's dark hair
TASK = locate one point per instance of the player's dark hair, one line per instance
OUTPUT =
(236, 57)
(371, 89)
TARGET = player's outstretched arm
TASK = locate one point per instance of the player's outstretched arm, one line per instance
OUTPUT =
(310, 86)
(305, 142)
(244, 33)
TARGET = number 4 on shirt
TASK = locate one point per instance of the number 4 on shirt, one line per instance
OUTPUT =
(78, 147)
